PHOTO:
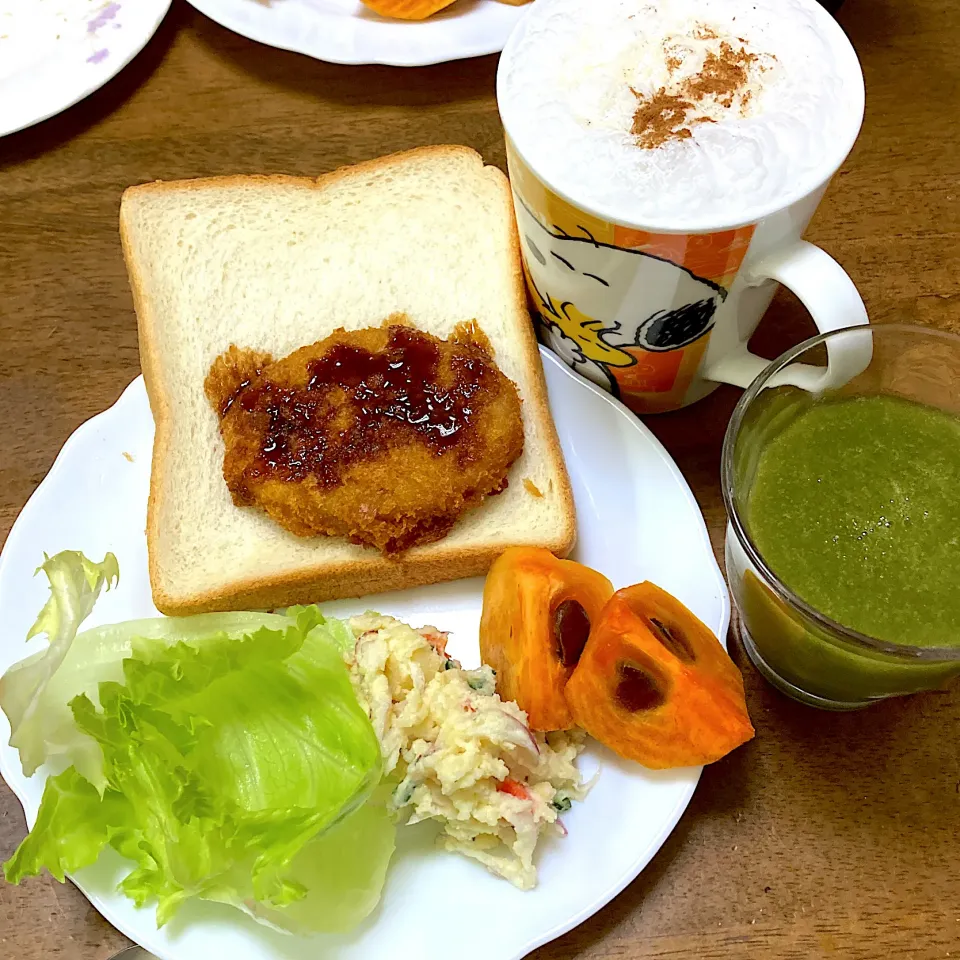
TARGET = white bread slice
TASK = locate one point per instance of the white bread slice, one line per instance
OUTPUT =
(274, 263)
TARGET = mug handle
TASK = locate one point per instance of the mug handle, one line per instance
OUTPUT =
(824, 288)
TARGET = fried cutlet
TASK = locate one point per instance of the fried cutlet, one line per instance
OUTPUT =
(384, 435)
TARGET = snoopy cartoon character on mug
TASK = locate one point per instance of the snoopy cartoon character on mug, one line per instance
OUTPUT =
(629, 310)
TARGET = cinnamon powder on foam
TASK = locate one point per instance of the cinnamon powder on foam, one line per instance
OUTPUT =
(670, 115)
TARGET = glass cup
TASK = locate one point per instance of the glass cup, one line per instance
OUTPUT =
(796, 648)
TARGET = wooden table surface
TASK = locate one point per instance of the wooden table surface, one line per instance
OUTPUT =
(828, 835)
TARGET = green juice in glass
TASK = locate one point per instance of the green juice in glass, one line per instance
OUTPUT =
(854, 505)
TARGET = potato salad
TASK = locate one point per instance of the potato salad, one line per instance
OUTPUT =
(456, 753)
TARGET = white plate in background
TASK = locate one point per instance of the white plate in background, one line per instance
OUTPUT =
(56, 52)
(345, 31)
(636, 520)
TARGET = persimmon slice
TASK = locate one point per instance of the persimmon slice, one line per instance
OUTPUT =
(407, 9)
(655, 685)
(537, 616)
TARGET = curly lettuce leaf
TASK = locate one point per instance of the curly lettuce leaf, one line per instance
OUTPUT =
(74, 824)
(233, 762)
(337, 899)
(35, 693)
(75, 585)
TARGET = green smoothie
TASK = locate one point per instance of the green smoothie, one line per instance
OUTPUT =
(855, 506)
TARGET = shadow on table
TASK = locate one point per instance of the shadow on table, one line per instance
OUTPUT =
(873, 21)
(366, 85)
(884, 768)
(49, 134)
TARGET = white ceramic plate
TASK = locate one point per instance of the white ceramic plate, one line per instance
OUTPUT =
(56, 52)
(637, 520)
(345, 31)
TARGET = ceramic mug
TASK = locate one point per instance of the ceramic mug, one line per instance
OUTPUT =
(661, 317)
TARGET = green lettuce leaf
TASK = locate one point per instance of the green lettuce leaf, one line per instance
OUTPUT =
(35, 693)
(225, 755)
(74, 824)
(39, 735)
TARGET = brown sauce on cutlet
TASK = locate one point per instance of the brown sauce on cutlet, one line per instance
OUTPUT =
(356, 403)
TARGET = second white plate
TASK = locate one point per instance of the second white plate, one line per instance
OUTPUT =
(56, 52)
(345, 31)
(637, 520)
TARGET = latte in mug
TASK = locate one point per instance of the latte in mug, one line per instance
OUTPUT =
(665, 158)
(679, 110)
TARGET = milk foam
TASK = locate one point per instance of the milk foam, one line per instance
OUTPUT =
(571, 80)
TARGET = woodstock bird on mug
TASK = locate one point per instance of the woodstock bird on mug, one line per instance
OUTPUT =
(665, 159)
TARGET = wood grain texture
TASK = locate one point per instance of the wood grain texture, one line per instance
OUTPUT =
(828, 836)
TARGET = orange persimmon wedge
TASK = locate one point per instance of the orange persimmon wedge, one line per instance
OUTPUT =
(655, 685)
(537, 613)
(407, 9)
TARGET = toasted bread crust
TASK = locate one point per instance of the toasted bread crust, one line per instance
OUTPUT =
(325, 580)
(340, 581)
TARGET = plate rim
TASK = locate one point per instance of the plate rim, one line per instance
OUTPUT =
(465, 53)
(101, 79)
(135, 391)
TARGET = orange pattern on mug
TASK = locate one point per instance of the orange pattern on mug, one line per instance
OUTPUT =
(713, 256)
(674, 372)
